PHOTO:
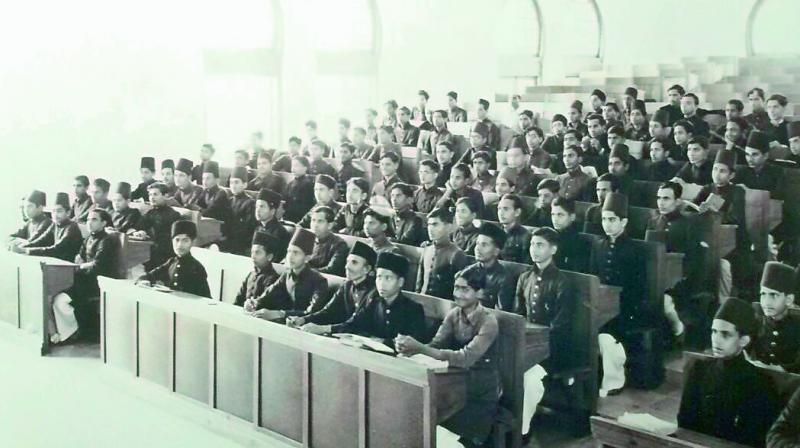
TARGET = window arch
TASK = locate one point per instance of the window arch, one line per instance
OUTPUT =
(520, 28)
(767, 29)
(581, 19)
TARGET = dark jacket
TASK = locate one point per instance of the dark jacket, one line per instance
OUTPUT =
(255, 284)
(696, 175)
(306, 221)
(329, 255)
(214, 203)
(408, 228)
(271, 181)
(500, 285)
(425, 199)
(141, 191)
(785, 432)
(310, 293)
(438, 267)
(101, 251)
(66, 245)
(36, 231)
(157, 222)
(517, 246)
(241, 225)
(184, 274)
(347, 299)
(299, 198)
(457, 114)
(80, 209)
(661, 171)
(465, 237)
(777, 342)
(768, 178)
(592, 220)
(189, 197)
(127, 219)
(350, 222)
(409, 134)
(573, 250)
(275, 229)
(376, 319)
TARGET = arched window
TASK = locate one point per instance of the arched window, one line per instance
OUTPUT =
(771, 25)
(340, 25)
(573, 28)
(517, 39)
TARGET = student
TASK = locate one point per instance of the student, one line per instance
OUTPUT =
(619, 167)
(576, 118)
(386, 144)
(493, 136)
(389, 164)
(728, 397)
(478, 139)
(408, 134)
(444, 157)
(147, 168)
(785, 432)
(673, 109)
(361, 147)
(187, 194)
(67, 238)
(794, 142)
(300, 289)
(457, 187)
(377, 227)
(595, 144)
(573, 250)
(441, 259)
(534, 137)
(607, 183)
(698, 169)
(659, 129)
(352, 295)
(347, 171)
(574, 182)
(467, 338)
(428, 193)
(268, 203)
(554, 143)
(311, 132)
(500, 283)
(242, 223)
(206, 153)
(439, 133)
(509, 214)
(682, 132)
(156, 225)
(181, 272)
(733, 111)
(168, 175)
(516, 160)
(639, 129)
(324, 193)
(660, 169)
(525, 120)
(213, 202)
(420, 112)
(390, 119)
(689, 104)
(330, 251)
(776, 128)
(344, 130)
(546, 191)
(457, 114)
(407, 227)
(256, 148)
(316, 163)
(504, 184)
(241, 159)
(597, 99)
(300, 191)
(735, 133)
(466, 233)
(484, 179)
(611, 114)
(126, 219)
(777, 342)
(284, 162)
(758, 118)
(759, 174)
(266, 177)
(99, 192)
(629, 101)
(372, 133)
(37, 230)
(350, 219)
(387, 312)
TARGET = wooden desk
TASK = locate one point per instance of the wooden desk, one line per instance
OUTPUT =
(26, 286)
(608, 432)
(303, 389)
(209, 230)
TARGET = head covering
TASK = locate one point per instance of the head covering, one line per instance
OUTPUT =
(561, 118)
(239, 172)
(617, 203)
(104, 215)
(527, 113)
(185, 166)
(83, 180)
(405, 188)
(211, 167)
(600, 94)
(124, 189)
(363, 250)
(184, 227)
(758, 140)
(148, 162)
(794, 129)
(778, 276)
(661, 116)
(640, 106)
(326, 180)
(452, 95)
(37, 197)
(361, 183)
(304, 240)
(494, 232)
(484, 103)
(739, 313)
(726, 157)
(168, 163)
(375, 213)
(102, 184)
(393, 262)
(270, 244)
(62, 199)
(577, 104)
(481, 128)
(270, 197)
(620, 151)
(632, 92)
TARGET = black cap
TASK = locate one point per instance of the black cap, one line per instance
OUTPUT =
(37, 197)
(326, 180)
(452, 95)
(484, 103)
(271, 244)
(167, 163)
(211, 167)
(617, 203)
(779, 277)
(361, 183)
(62, 199)
(303, 239)
(600, 94)
(102, 184)
(185, 166)
(739, 313)
(494, 232)
(239, 172)
(393, 262)
(363, 250)
(758, 140)
(124, 189)
(271, 197)
(83, 180)
(383, 218)
(184, 227)
(148, 162)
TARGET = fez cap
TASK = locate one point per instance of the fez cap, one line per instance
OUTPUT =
(739, 313)
(326, 180)
(239, 172)
(661, 116)
(452, 95)
(37, 197)
(481, 129)
(527, 113)
(405, 188)
(270, 244)
(726, 157)
(620, 151)
(62, 199)
(640, 106)
(577, 104)
(83, 180)
(168, 163)
(632, 92)
(270, 197)
(376, 213)
(124, 189)
(148, 162)
(362, 249)
(494, 232)
(561, 118)
(102, 184)
(304, 240)
(484, 103)
(211, 167)
(758, 140)
(393, 262)
(778, 276)
(617, 203)
(185, 166)
(600, 94)
(794, 129)
(184, 227)
(360, 183)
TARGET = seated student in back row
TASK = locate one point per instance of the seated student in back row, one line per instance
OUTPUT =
(698, 169)
(509, 212)
(777, 343)
(407, 227)
(156, 225)
(67, 238)
(573, 250)
(441, 258)
(266, 177)
(37, 230)
(458, 187)
(80, 207)
(268, 204)
(126, 218)
(759, 174)
(466, 213)
(350, 219)
(263, 275)
(660, 169)
(500, 283)
(330, 251)
(242, 223)
(147, 168)
(182, 272)
(592, 220)
(325, 194)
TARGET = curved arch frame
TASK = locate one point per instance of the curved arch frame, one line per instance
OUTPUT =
(600, 30)
(539, 28)
(748, 31)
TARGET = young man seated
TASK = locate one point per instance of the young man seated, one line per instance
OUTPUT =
(597, 99)
(673, 109)
(638, 129)
(456, 113)
(206, 153)
(350, 219)
(79, 211)
(777, 343)
(389, 164)
(187, 194)
(660, 129)
(576, 118)
(466, 233)
(330, 251)
(698, 169)
(689, 104)
(147, 168)
(458, 187)
(362, 148)
(534, 138)
(182, 272)
(262, 252)
(484, 179)
(408, 134)
(344, 130)
(733, 111)
(504, 184)
(428, 193)
(300, 191)
(240, 160)
(387, 312)
(386, 144)
(682, 132)
(242, 223)
(444, 157)
(735, 137)
(283, 163)
(300, 289)
(509, 214)
(760, 174)
(619, 166)
(156, 226)
(377, 228)
(554, 143)
(99, 192)
(67, 238)
(612, 115)
(573, 250)
(352, 295)
(660, 169)
(347, 171)
(267, 204)
(493, 136)
(439, 133)
(574, 182)
(500, 283)
(168, 178)
(478, 138)
(214, 202)
(517, 160)
(407, 227)
(37, 231)
(317, 165)
(325, 194)
(266, 177)
(441, 259)
(728, 397)
(595, 144)
(546, 191)
(592, 220)
(126, 219)
(776, 128)
(467, 339)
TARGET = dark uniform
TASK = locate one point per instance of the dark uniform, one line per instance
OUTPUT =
(408, 228)
(438, 267)
(758, 120)
(693, 174)
(493, 137)
(469, 192)
(444, 174)
(540, 218)
(347, 172)
(409, 134)
(593, 220)
(189, 197)
(779, 133)
(384, 187)
(80, 209)
(345, 301)
(349, 222)
(458, 114)
(499, 291)
(320, 167)
(214, 203)
(465, 238)
(271, 181)
(778, 341)
(241, 225)
(381, 320)
(306, 221)
(673, 112)
(640, 135)
(36, 231)
(67, 241)
(425, 198)
(299, 198)
(661, 171)
(329, 255)
(141, 191)
(517, 245)
(484, 182)
(157, 222)
(382, 244)
(255, 284)
(768, 178)
(700, 126)
(437, 135)
(296, 294)
(785, 433)
(573, 184)
(184, 274)
(554, 144)
(573, 250)
(127, 219)
(470, 153)
(101, 252)
(275, 229)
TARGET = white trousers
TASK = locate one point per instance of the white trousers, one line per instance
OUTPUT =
(64, 316)
(533, 386)
(613, 356)
(725, 280)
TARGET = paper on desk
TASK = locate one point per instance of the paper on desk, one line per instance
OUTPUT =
(348, 339)
(647, 422)
(427, 361)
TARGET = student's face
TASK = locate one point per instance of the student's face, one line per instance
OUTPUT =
(438, 120)
(726, 342)
(298, 168)
(541, 251)
(485, 249)
(481, 112)
(182, 179)
(774, 110)
(514, 157)
(609, 113)
(464, 216)
(687, 106)
(443, 154)
(612, 224)
(637, 117)
(344, 153)
(557, 127)
(157, 198)
(464, 295)
(754, 157)
(657, 130)
(476, 140)
(615, 139)
(356, 268)
(399, 200)
(524, 122)
(674, 97)
(94, 222)
(294, 147)
(794, 145)
(373, 228)
(181, 244)
(732, 131)
(775, 303)
(32, 210)
(451, 102)
(596, 101)
(680, 135)
(98, 194)
(756, 102)
(263, 165)
(403, 116)
(263, 211)
(169, 175)
(319, 225)
(595, 128)
(61, 214)
(427, 175)
(666, 201)
(343, 131)
(205, 154)
(506, 213)
(533, 140)
(354, 195)
(602, 189)
(315, 151)
(561, 218)
(544, 198)
(696, 153)
(146, 174)
(480, 165)
(438, 229)
(259, 256)
(574, 115)
(237, 186)
(570, 140)
(731, 111)
(457, 179)
(503, 186)
(384, 137)
(119, 202)
(388, 167)
(387, 283)
(721, 174)
(295, 258)
(657, 152)
(616, 166)
(209, 180)
(240, 160)
(322, 193)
